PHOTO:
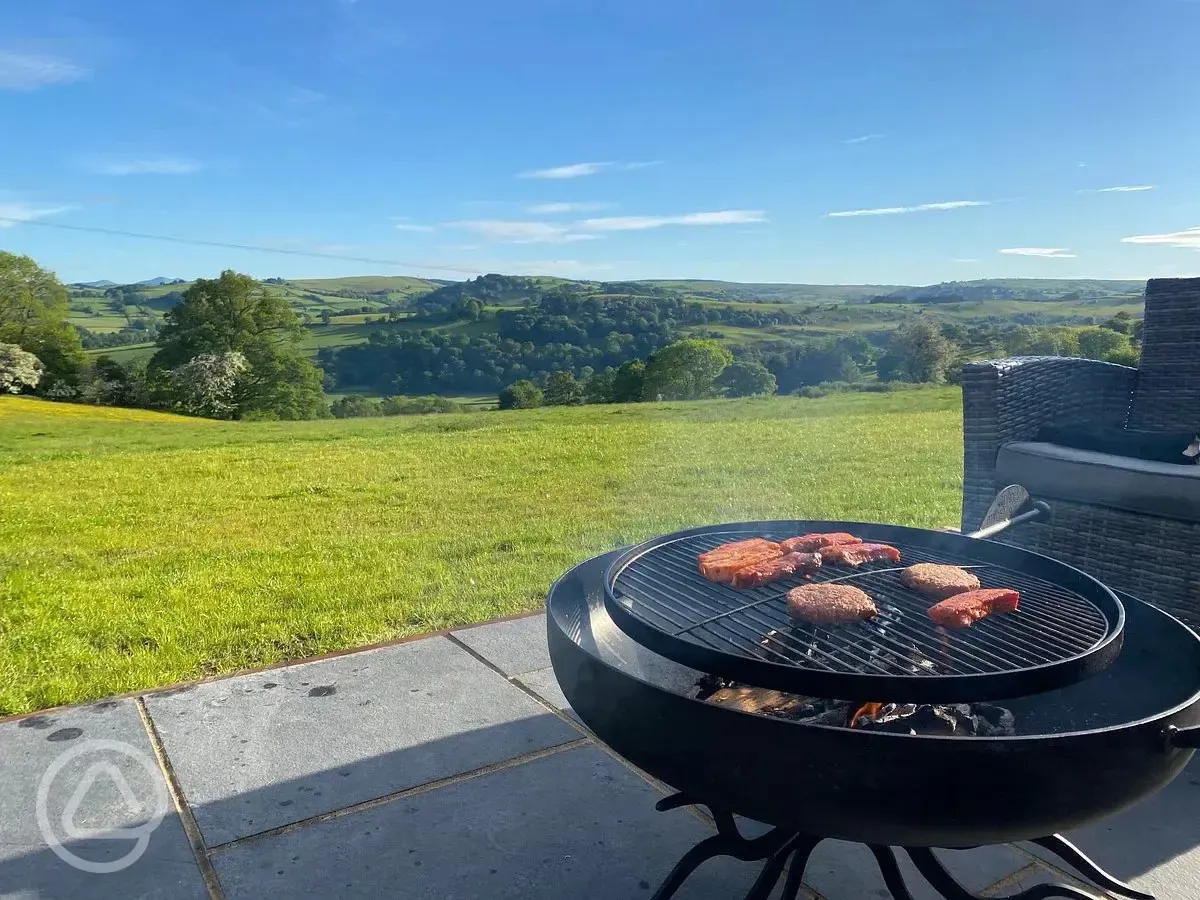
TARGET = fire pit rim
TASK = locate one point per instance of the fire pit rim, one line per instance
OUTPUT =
(860, 734)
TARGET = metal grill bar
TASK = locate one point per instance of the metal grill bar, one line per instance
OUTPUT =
(663, 588)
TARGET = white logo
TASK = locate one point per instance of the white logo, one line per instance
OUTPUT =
(102, 768)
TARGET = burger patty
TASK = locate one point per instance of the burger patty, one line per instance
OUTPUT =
(938, 581)
(830, 604)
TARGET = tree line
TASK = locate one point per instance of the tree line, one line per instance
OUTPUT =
(227, 350)
(230, 349)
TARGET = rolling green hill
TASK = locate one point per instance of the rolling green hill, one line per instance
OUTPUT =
(342, 311)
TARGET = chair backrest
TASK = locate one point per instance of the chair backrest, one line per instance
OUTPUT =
(1167, 395)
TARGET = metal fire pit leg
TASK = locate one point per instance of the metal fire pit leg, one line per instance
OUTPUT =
(774, 846)
(1075, 858)
(803, 848)
(943, 882)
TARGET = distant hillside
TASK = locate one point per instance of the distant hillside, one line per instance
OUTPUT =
(1029, 289)
(122, 320)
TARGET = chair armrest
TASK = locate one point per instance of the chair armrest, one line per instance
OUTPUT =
(1011, 399)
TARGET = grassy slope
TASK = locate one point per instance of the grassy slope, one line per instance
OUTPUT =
(139, 549)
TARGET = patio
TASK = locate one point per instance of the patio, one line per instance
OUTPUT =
(445, 767)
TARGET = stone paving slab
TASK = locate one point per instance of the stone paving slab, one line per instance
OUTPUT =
(1155, 846)
(543, 683)
(260, 751)
(514, 647)
(574, 824)
(95, 790)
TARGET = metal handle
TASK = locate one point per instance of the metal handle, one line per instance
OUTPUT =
(1183, 738)
(1040, 508)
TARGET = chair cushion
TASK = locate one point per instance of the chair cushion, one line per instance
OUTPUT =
(1179, 447)
(1165, 490)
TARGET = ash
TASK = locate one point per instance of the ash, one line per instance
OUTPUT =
(964, 719)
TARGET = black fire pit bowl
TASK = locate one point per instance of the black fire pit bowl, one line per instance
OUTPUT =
(1081, 753)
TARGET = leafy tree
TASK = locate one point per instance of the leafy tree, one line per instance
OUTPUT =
(33, 315)
(523, 394)
(891, 367)
(563, 390)
(1097, 343)
(629, 382)
(599, 387)
(234, 313)
(1122, 322)
(1126, 356)
(686, 370)
(205, 385)
(815, 364)
(925, 353)
(19, 369)
(747, 379)
(108, 383)
(355, 406)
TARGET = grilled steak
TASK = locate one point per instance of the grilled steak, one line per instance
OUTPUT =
(774, 569)
(722, 568)
(809, 542)
(857, 554)
(738, 547)
(938, 582)
(964, 610)
(830, 604)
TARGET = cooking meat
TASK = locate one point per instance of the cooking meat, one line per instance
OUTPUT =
(938, 582)
(809, 542)
(857, 554)
(722, 568)
(964, 610)
(738, 547)
(830, 604)
(774, 569)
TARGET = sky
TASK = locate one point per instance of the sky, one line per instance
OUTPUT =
(858, 141)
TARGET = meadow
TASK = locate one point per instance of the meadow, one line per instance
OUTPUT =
(139, 549)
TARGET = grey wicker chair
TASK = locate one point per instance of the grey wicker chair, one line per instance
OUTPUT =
(1133, 524)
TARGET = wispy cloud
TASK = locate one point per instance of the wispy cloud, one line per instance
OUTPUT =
(530, 232)
(576, 170)
(1043, 252)
(148, 165)
(862, 139)
(1188, 239)
(403, 223)
(1126, 188)
(899, 210)
(14, 212)
(30, 71)
(641, 223)
(581, 170)
(551, 209)
(520, 232)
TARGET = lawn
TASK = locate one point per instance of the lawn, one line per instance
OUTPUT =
(139, 549)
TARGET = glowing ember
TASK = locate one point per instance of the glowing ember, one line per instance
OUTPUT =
(866, 711)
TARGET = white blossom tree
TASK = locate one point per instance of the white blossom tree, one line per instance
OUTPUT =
(205, 384)
(19, 369)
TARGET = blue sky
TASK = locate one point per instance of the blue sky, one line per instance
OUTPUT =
(852, 141)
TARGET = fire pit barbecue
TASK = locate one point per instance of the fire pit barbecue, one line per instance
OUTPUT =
(1068, 751)
(1069, 626)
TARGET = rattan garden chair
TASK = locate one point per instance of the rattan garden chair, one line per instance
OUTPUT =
(1131, 523)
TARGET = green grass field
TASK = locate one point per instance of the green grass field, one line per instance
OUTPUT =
(139, 549)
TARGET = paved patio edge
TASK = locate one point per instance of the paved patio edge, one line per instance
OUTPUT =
(254, 670)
